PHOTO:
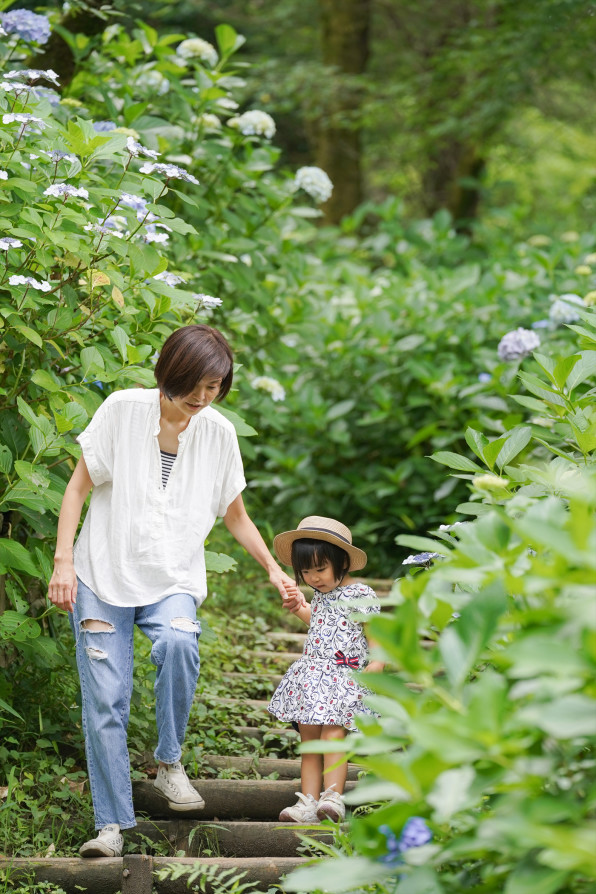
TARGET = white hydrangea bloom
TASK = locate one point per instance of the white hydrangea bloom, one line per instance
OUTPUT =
(65, 189)
(23, 118)
(254, 123)
(8, 242)
(170, 279)
(517, 344)
(197, 48)
(3, 174)
(135, 149)
(30, 282)
(315, 182)
(33, 74)
(172, 172)
(224, 102)
(206, 301)
(102, 229)
(266, 383)
(562, 310)
(153, 80)
(161, 238)
(209, 121)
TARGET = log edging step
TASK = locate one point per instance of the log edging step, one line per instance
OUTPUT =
(233, 799)
(134, 873)
(264, 766)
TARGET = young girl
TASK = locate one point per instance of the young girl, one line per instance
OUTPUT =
(318, 694)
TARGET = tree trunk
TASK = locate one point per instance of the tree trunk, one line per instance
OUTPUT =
(452, 181)
(57, 54)
(345, 41)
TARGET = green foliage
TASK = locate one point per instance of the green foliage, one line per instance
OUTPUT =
(488, 730)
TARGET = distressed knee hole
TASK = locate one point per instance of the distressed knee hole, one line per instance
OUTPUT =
(94, 626)
(185, 624)
(96, 654)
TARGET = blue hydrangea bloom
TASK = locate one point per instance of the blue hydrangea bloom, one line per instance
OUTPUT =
(415, 833)
(103, 126)
(29, 26)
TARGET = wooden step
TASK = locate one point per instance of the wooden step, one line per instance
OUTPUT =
(133, 874)
(286, 636)
(264, 766)
(226, 839)
(225, 799)
(258, 733)
(257, 681)
(285, 658)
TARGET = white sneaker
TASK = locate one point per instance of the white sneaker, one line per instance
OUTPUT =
(107, 844)
(331, 806)
(304, 811)
(172, 784)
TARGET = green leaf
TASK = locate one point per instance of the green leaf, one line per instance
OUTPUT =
(228, 40)
(218, 562)
(476, 441)
(29, 334)
(455, 461)
(583, 369)
(462, 643)
(514, 444)
(243, 429)
(530, 878)
(337, 875)
(18, 627)
(4, 706)
(5, 459)
(14, 555)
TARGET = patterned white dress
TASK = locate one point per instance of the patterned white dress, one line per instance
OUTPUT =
(319, 687)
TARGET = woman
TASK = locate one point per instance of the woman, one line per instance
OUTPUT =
(163, 465)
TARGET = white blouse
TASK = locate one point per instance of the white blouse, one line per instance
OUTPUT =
(141, 541)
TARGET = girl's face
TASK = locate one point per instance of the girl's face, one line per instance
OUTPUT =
(321, 577)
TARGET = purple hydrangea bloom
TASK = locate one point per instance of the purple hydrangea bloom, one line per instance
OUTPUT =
(424, 559)
(415, 833)
(27, 25)
(517, 344)
(103, 126)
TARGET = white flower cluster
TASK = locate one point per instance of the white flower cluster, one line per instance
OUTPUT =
(254, 123)
(103, 229)
(170, 279)
(266, 383)
(207, 302)
(562, 310)
(424, 559)
(30, 283)
(57, 156)
(23, 118)
(8, 242)
(33, 74)
(137, 203)
(3, 174)
(153, 80)
(197, 48)
(135, 149)
(517, 344)
(315, 182)
(57, 190)
(172, 172)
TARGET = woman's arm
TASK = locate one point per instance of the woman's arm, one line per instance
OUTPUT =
(62, 590)
(244, 530)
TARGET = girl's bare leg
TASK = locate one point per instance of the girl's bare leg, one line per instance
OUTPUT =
(337, 776)
(311, 768)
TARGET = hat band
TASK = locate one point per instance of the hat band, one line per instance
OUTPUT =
(327, 531)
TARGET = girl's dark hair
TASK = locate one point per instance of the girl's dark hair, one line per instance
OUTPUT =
(308, 553)
(190, 354)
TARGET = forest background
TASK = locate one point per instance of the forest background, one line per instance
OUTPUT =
(435, 304)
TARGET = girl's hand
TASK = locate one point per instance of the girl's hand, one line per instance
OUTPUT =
(62, 590)
(293, 599)
(375, 667)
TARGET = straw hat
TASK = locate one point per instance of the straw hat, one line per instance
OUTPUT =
(316, 527)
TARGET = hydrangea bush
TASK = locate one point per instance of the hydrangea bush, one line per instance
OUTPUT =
(488, 723)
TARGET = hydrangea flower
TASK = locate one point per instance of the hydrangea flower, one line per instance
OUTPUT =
(154, 81)
(28, 281)
(16, 88)
(23, 118)
(197, 48)
(209, 121)
(8, 242)
(172, 172)
(415, 833)
(266, 383)
(156, 237)
(137, 203)
(254, 123)
(490, 482)
(315, 182)
(57, 156)
(562, 310)
(103, 126)
(484, 377)
(451, 527)
(3, 174)
(136, 149)
(33, 74)
(541, 324)
(206, 301)
(66, 190)
(422, 559)
(27, 25)
(170, 279)
(224, 102)
(103, 229)
(48, 94)
(517, 344)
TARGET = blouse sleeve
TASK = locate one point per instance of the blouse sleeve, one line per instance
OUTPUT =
(234, 481)
(97, 441)
(374, 607)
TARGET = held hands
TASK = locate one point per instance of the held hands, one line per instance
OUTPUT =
(62, 590)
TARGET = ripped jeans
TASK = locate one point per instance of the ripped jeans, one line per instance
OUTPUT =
(105, 663)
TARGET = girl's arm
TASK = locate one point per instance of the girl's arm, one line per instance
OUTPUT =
(244, 530)
(62, 589)
(303, 611)
(373, 667)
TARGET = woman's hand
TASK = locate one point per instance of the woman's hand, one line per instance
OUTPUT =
(62, 590)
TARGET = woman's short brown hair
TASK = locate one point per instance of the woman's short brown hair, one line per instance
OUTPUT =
(190, 354)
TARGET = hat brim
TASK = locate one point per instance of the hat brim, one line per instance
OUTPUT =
(282, 544)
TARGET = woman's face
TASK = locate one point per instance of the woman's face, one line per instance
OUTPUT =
(200, 397)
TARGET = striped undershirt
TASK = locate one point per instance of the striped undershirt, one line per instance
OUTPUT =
(167, 461)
